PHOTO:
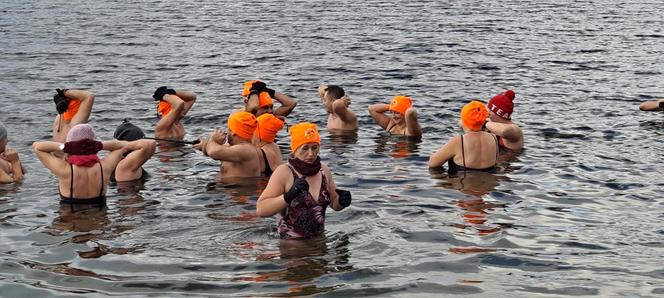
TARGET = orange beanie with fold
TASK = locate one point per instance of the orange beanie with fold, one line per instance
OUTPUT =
(401, 104)
(243, 124)
(74, 104)
(264, 98)
(268, 127)
(163, 108)
(303, 133)
(473, 115)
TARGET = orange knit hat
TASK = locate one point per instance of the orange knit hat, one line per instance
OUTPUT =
(473, 115)
(242, 124)
(247, 87)
(264, 98)
(268, 126)
(74, 104)
(303, 133)
(400, 104)
(163, 108)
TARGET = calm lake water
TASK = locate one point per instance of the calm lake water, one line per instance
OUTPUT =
(578, 213)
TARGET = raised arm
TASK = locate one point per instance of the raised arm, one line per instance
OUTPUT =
(140, 152)
(44, 151)
(413, 128)
(655, 105)
(165, 123)
(377, 112)
(445, 153)
(87, 99)
(340, 108)
(507, 131)
(116, 148)
(16, 169)
(189, 98)
(287, 104)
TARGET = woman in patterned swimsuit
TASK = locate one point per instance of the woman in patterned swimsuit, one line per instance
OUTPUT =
(301, 189)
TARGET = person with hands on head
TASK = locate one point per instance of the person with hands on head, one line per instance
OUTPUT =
(500, 108)
(258, 100)
(266, 131)
(11, 169)
(130, 168)
(336, 103)
(475, 149)
(73, 107)
(302, 189)
(240, 158)
(652, 105)
(172, 107)
(403, 120)
(81, 181)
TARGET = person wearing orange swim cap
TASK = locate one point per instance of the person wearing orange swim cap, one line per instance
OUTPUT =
(475, 149)
(336, 102)
(73, 107)
(509, 133)
(172, 106)
(266, 132)
(403, 120)
(302, 189)
(258, 100)
(240, 158)
(11, 169)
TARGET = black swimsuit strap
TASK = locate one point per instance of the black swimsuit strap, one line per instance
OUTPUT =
(390, 127)
(267, 163)
(497, 147)
(71, 186)
(101, 191)
(463, 156)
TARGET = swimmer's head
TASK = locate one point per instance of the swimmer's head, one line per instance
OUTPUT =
(399, 105)
(128, 132)
(80, 132)
(305, 141)
(256, 100)
(501, 105)
(330, 94)
(473, 115)
(242, 125)
(268, 127)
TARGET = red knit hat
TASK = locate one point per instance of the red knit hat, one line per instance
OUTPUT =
(502, 104)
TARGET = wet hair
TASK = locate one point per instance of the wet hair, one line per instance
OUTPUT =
(335, 92)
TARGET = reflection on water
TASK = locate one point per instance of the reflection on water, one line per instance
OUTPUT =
(396, 146)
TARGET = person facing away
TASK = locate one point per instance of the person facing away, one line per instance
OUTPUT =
(130, 167)
(500, 108)
(11, 169)
(266, 131)
(336, 103)
(239, 156)
(403, 120)
(82, 177)
(652, 105)
(475, 149)
(74, 107)
(258, 100)
(172, 106)
(302, 189)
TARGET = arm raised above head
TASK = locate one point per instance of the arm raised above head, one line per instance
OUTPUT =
(377, 112)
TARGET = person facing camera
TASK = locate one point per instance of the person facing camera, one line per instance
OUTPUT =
(403, 120)
(302, 189)
(240, 158)
(11, 169)
(475, 149)
(140, 150)
(172, 106)
(336, 103)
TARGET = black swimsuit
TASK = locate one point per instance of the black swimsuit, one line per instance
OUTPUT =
(99, 200)
(267, 171)
(453, 168)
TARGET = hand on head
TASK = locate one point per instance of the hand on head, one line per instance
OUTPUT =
(161, 91)
(10, 155)
(61, 101)
(259, 87)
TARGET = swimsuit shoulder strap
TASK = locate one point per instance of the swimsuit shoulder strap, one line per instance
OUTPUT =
(463, 156)
(390, 125)
(497, 146)
(101, 190)
(71, 184)
(267, 163)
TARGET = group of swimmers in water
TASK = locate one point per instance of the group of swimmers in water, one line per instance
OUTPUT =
(299, 189)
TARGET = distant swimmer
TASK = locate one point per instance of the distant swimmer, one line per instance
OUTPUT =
(130, 168)
(172, 106)
(11, 169)
(337, 103)
(258, 100)
(83, 177)
(302, 189)
(239, 157)
(475, 149)
(500, 108)
(268, 127)
(653, 105)
(74, 107)
(403, 120)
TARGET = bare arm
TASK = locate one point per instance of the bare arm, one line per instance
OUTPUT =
(445, 153)
(340, 107)
(117, 148)
(87, 99)
(655, 105)
(287, 104)
(271, 200)
(332, 189)
(140, 152)
(189, 97)
(413, 128)
(508, 131)
(377, 112)
(44, 151)
(165, 123)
